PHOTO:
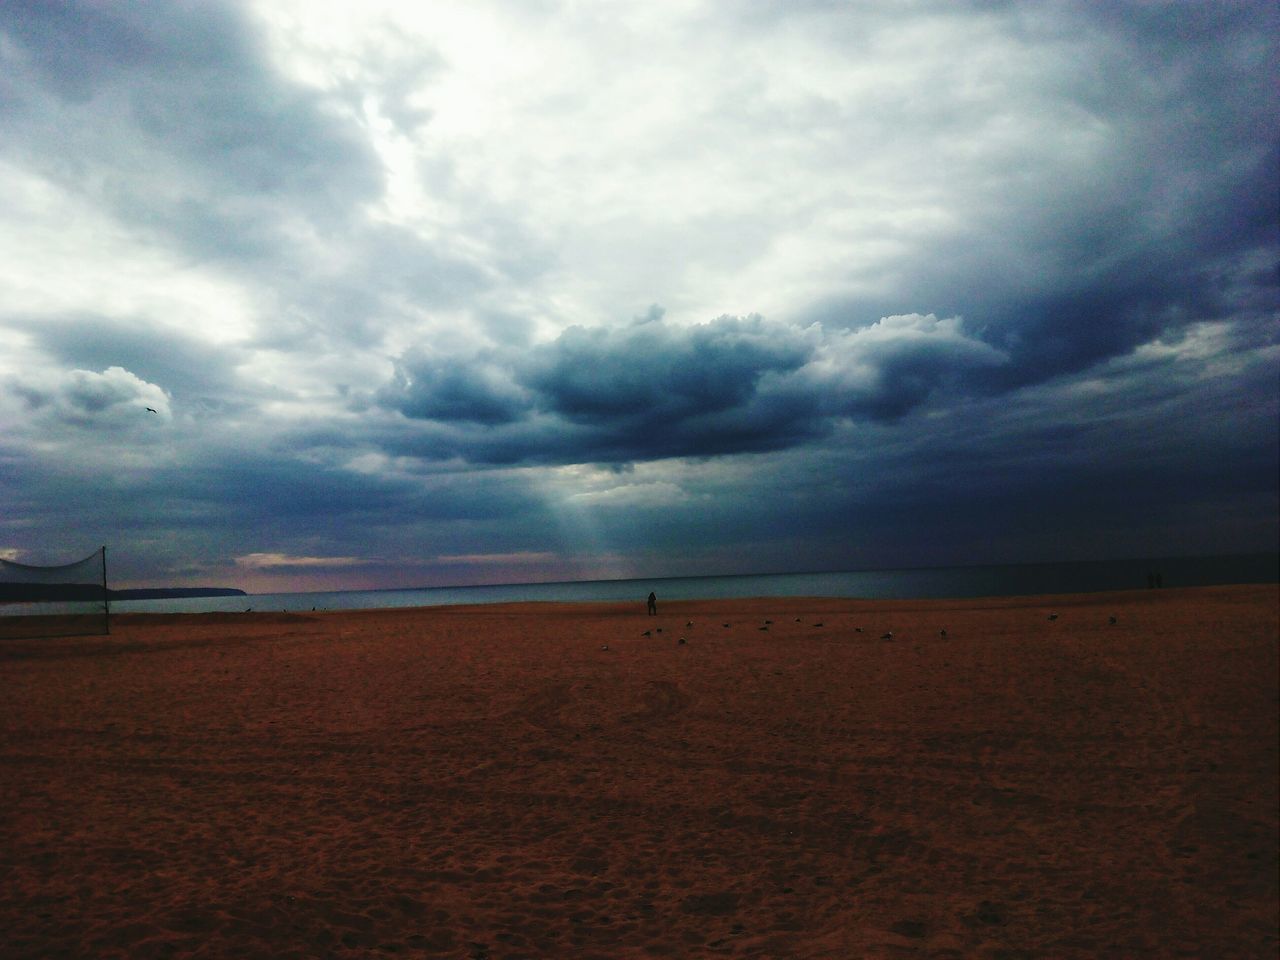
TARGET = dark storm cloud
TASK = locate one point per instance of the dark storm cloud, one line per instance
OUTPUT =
(1145, 200)
(1134, 459)
(1184, 194)
(647, 374)
(1129, 459)
(652, 390)
(428, 386)
(1122, 277)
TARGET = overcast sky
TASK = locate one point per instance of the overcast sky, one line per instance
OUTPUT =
(430, 293)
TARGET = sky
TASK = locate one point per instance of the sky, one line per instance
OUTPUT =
(441, 293)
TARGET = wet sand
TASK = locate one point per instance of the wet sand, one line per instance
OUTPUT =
(490, 782)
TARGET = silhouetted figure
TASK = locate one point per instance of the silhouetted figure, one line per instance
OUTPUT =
(1159, 581)
(653, 604)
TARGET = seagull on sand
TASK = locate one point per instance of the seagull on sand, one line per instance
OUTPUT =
(1053, 616)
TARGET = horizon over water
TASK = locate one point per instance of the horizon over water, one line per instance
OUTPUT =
(1087, 576)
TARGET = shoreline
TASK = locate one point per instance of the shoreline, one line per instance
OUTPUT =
(904, 583)
(618, 607)
(1124, 595)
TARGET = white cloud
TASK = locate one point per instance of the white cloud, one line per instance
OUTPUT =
(268, 561)
(72, 256)
(114, 398)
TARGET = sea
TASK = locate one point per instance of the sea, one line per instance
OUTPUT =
(1023, 579)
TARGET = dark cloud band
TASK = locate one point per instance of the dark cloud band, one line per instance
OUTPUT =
(651, 389)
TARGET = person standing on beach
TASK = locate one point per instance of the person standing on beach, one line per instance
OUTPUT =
(653, 604)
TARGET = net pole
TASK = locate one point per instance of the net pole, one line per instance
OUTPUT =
(106, 598)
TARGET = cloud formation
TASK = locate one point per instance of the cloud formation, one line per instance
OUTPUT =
(261, 561)
(940, 282)
(649, 390)
(112, 399)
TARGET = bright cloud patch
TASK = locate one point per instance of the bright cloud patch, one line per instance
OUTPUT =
(113, 398)
(270, 561)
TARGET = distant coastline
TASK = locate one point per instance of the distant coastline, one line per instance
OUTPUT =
(49, 592)
(163, 593)
(1070, 577)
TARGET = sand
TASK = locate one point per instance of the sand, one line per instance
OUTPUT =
(491, 782)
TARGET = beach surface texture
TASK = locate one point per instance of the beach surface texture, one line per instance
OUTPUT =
(1079, 776)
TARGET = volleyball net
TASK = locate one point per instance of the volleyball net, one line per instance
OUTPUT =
(66, 600)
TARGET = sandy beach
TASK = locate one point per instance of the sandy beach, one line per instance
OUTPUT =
(546, 781)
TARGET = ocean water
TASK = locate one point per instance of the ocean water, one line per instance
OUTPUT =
(915, 583)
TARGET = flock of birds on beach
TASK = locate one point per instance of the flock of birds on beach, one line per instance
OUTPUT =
(765, 625)
(887, 635)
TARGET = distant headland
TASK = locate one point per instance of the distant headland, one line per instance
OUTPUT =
(162, 593)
